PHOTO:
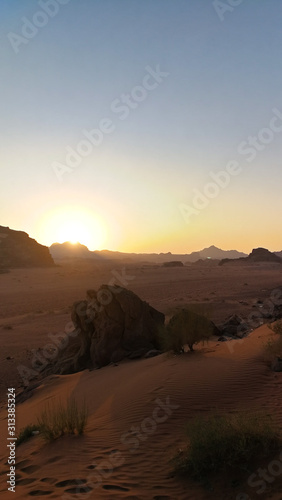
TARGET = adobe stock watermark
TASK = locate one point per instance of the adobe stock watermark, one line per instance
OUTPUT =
(228, 6)
(222, 178)
(263, 477)
(30, 27)
(121, 107)
(131, 441)
(42, 357)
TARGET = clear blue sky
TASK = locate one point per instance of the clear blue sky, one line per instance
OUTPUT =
(133, 191)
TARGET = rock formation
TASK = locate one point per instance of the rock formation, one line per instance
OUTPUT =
(67, 251)
(173, 263)
(257, 255)
(234, 326)
(112, 324)
(17, 249)
(263, 255)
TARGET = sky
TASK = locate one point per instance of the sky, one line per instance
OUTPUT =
(142, 126)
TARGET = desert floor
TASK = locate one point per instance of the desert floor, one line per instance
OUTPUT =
(111, 459)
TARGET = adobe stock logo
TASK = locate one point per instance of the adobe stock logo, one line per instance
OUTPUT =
(263, 477)
(222, 7)
(30, 28)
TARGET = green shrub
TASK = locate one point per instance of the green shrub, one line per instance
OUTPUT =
(58, 420)
(220, 442)
(186, 328)
(26, 433)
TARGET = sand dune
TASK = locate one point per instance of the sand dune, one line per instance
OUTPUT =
(119, 397)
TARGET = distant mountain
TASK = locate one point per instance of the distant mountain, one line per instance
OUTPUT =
(279, 254)
(213, 252)
(207, 253)
(62, 251)
(17, 249)
(69, 250)
(256, 255)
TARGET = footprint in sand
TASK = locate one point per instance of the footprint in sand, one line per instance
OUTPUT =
(30, 468)
(22, 463)
(79, 486)
(54, 459)
(161, 497)
(79, 489)
(39, 493)
(50, 480)
(70, 482)
(114, 487)
(26, 480)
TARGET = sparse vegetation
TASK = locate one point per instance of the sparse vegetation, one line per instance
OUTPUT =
(186, 328)
(273, 347)
(26, 433)
(220, 442)
(58, 420)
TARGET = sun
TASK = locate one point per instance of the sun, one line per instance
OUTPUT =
(76, 232)
(75, 225)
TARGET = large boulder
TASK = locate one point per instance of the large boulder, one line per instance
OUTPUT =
(112, 324)
(234, 326)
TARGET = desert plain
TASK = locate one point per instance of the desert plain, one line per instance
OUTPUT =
(138, 409)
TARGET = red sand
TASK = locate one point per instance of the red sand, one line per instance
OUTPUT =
(109, 458)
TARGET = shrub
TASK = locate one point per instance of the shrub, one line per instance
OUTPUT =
(26, 433)
(187, 328)
(226, 441)
(58, 420)
(273, 347)
(277, 328)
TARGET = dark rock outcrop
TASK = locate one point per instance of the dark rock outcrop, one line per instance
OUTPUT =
(173, 263)
(67, 251)
(263, 255)
(257, 255)
(112, 324)
(17, 249)
(234, 326)
(276, 365)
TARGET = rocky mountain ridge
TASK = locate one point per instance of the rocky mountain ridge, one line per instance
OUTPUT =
(17, 249)
(67, 250)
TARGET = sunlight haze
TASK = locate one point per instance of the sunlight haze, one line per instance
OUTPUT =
(117, 115)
